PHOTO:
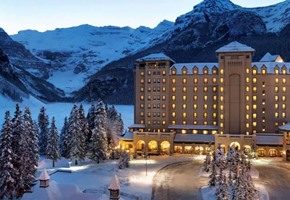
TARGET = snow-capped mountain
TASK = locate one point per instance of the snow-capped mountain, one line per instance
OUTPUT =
(78, 52)
(74, 55)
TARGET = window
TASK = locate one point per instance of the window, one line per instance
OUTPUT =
(142, 97)
(184, 80)
(173, 114)
(264, 71)
(221, 98)
(205, 80)
(195, 89)
(213, 80)
(221, 107)
(195, 80)
(163, 106)
(221, 89)
(205, 70)
(173, 97)
(247, 70)
(142, 114)
(173, 106)
(173, 80)
(276, 89)
(149, 80)
(254, 80)
(284, 89)
(195, 106)
(214, 89)
(184, 115)
(183, 89)
(254, 71)
(254, 98)
(149, 72)
(184, 70)
(247, 116)
(254, 115)
(163, 97)
(205, 89)
(222, 71)
(173, 89)
(284, 80)
(247, 98)
(163, 72)
(221, 80)
(163, 80)
(141, 105)
(254, 89)
(142, 80)
(254, 107)
(184, 98)
(276, 80)
(205, 106)
(195, 97)
(141, 89)
(184, 106)
(205, 98)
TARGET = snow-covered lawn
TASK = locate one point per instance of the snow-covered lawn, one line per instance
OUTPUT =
(95, 177)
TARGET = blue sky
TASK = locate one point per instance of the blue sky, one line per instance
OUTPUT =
(44, 15)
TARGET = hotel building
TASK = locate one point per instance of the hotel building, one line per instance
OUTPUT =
(189, 107)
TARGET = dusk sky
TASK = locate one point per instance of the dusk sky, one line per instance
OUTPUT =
(42, 15)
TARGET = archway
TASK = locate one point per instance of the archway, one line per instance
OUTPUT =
(236, 145)
(188, 149)
(198, 150)
(273, 152)
(140, 145)
(152, 146)
(177, 149)
(261, 152)
(165, 147)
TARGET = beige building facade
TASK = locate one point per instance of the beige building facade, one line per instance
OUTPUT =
(189, 107)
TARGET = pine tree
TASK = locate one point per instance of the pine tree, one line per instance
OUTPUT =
(124, 160)
(77, 142)
(43, 124)
(99, 137)
(213, 175)
(222, 192)
(52, 148)
(64, 139)
(84, 128)
(207, 162)
(20, 150)
(91, 121)
(30, 134)
(7, 170)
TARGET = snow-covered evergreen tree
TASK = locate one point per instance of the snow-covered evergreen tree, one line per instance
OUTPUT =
(222, 192)
(220, 157)
(43, 123)
(124, 160)
(7, 169)
(91, 121)
(31, 138)
(213, 175)
(20, 149)
(99, 144)
(84, 128)
(77, 142)
(52, 148)
(207, 162)
(64, 139)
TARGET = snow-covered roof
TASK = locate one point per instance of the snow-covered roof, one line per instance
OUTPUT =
(114, 185)
(285, 127)
(269, 139)
(137, 126)
(126, 136)
(155, 57)
(190, 66)
(235, 47)
(194, 138)
(44, 175)
(270, 66)
(57, 191)
(193, 127)
(271, 58)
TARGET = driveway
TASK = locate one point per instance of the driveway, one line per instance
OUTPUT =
(178, 181)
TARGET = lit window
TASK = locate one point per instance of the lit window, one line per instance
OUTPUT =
(183, 131)
(254, 98)
(276, 80)
(213, 80)
(173, 80)
(221, 125)
(163, 89)
(263, 84)
(142, 105)
(164, 114)
(173, 89)
(173, 71)
(163, 97)
(195, 115)
(195, 89)
(195, 71)
(247, 125)
(163, 72)
(195, 131)
(195, 97)
(284, 71)
(284, 80)
(263, 92)
(184, 97)
(214, 97)
(276, 89)
(184, 106)
(276, 106)
(163, 80)
(205, 106)
(163, 106)
(276, 124)
(195, 80)
(247, 107)
(254, 106)
(221, 89)
(222, 71)
(205, 80)
(283, 106)
(184, 80)
(214, 89)
(254, 89)
(173, 114)
(214, 132)
(283, 115)
(263, 119)
(254, 115)
(184, 122)
(205, 98)
(222, 116)
(205, 70)
(276, 114)
(184, 70)
(142, 122)
(254, 80)
(214, 106)
(205, 132)
(247, 70)
(142, 89)
(247, 98)
(205, 89)
(214, 115)
(247, 80)
(173, 97)
(184, 115)
(284, 89)
(142, 73)
(263, 101)
(254, 71)
(194, 106)
(142, 80)
(276, 98)
(254, 124)
(149, 72)
(276, 70)
(142, 114)
(205, 115)
(283, 98)
(221, 80)
(264, 71)
(221, 98)
(222, 107)
(142, 97)
(173, 122)
(163, 122)
(183, 89)
(247, 116)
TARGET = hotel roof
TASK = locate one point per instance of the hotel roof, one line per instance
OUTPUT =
(235, 47)
(155, 57)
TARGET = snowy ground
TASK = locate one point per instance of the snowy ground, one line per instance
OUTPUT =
(58, 110)
(93, 177)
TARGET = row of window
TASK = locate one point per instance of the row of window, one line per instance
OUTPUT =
(149, 72)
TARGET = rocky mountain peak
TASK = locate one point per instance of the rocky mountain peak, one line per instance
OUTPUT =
(215, 6)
